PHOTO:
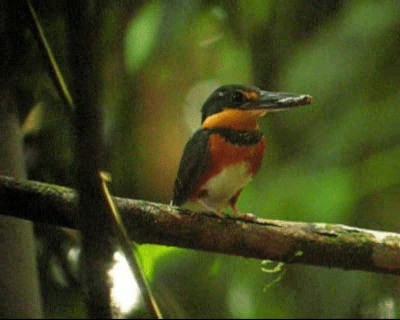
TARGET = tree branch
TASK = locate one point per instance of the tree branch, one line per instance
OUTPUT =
(317, 244)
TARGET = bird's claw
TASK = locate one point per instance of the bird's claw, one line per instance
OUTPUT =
(218, 214)
(247, 216)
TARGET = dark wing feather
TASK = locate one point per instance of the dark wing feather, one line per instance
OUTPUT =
(192, 166)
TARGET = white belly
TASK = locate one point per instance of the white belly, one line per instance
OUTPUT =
(222, 187)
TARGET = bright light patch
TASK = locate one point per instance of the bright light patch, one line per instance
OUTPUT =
(73, 258)
(387, 308)
(240, 302)
(195, 99)
(125, 293)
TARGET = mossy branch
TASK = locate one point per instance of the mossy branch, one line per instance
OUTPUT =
(318, 244)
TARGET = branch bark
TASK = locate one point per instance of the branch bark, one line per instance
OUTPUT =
(318, 244)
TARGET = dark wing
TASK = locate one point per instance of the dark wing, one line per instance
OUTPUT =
(192, 166)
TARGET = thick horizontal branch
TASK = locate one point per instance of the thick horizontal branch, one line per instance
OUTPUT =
(317, 244)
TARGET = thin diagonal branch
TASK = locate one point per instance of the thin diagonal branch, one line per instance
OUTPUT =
(320, 244)
(52, 66)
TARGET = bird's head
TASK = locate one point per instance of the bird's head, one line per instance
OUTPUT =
(239, 107)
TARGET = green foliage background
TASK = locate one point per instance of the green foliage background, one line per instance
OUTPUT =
(336, 161)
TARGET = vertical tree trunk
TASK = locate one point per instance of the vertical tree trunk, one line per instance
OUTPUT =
(19, 286)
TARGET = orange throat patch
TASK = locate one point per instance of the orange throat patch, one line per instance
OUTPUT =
(234, 119)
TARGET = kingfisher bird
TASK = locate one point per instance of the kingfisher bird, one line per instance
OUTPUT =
(224, 154)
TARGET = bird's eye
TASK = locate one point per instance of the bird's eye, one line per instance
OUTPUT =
(238, 97)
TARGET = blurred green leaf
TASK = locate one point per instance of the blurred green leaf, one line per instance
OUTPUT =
(149, 255)
(142, 34)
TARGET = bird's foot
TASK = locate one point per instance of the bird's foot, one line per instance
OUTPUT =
(211, 210)
(245, 216)
(218, 214)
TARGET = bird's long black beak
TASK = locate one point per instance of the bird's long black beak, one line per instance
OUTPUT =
(278, 101)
